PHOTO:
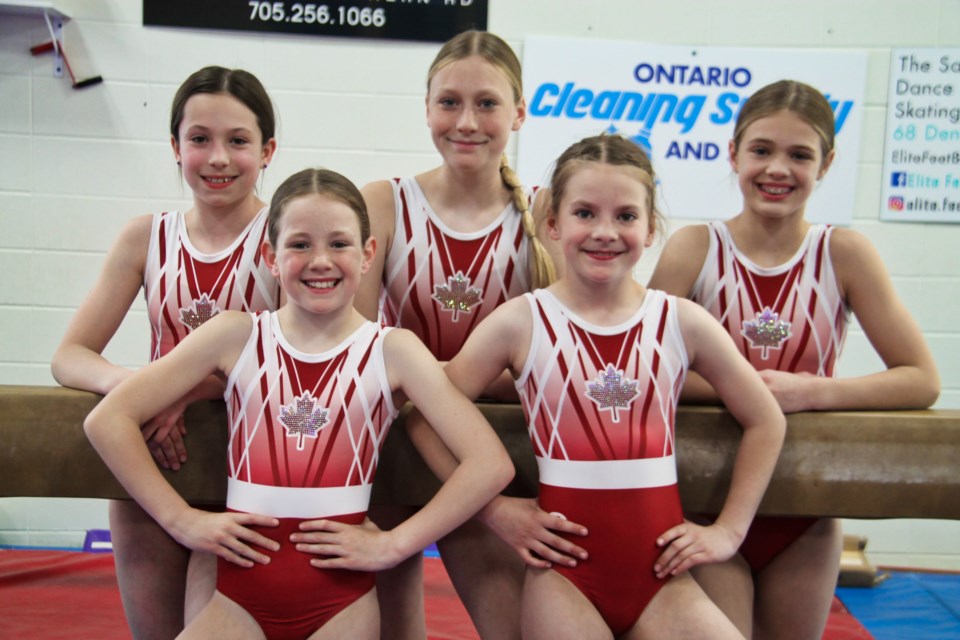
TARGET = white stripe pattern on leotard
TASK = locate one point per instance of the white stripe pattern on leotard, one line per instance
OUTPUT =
(307, 420)
(184, 287)
(440, 283)
(791, 317)
(598, 394)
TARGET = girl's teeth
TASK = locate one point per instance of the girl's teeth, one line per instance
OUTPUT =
(777, 191)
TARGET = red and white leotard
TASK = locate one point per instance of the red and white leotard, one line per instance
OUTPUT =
(440, 283)
(791, 317)
(305, 437)
(184, 287)
(600, 404)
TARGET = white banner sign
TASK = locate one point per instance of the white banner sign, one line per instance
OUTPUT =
(680, 104)
(921, 158)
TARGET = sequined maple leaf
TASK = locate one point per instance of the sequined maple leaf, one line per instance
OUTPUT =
(613, 391)
(303, 418)
(767, 332)
(457, 295)
(201, 311)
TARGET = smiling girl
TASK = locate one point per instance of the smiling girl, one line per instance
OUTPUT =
(598, 361)
(311, 390)
(784, 290)
(458, 241)
(191, 265)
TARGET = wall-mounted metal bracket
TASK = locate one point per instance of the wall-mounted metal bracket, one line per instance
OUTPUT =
(54, 19)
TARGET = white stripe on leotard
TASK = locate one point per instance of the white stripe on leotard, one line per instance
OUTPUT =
(296, 502)
(640, 473)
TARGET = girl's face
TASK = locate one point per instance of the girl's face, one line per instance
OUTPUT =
(319, 257)
(603, 223)
(220, 149)
(471, 112)
(778, 164)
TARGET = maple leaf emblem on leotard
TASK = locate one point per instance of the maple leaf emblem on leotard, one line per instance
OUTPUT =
(201, 311)
(767, 332)
(457, 295)
(613, 391)
(302, 418)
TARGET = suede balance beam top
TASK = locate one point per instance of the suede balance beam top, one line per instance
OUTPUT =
(857, 464)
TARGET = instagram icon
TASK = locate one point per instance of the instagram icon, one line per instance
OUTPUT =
(895, 203)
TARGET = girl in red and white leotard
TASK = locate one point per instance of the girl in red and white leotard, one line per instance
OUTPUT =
(599, 361)
(191, 266)
(311, 390)
(457, 241)
(784, 289)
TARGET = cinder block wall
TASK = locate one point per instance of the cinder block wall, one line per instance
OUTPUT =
(75, 165)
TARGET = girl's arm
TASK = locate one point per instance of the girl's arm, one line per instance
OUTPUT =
(78, 361)
(676, 272)
(113, 428)
(484, 469)
(484, 466)
(378, 197)
(713, 355)
(519, 522)
(500, 341)
(910, 380)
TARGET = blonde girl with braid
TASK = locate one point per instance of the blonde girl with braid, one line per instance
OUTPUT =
(458, 241)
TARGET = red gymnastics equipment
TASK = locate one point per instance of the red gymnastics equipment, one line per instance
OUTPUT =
(56, 47)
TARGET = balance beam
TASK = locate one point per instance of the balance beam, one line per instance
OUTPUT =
(883, 464)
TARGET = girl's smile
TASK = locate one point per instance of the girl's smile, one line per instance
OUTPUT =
(319, 257)
(778, 163)
(602, 223)
(220, 150)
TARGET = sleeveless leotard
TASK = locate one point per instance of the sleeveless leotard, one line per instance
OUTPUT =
(305, 437)
(600, 404)
(184, 287)
(790, 318)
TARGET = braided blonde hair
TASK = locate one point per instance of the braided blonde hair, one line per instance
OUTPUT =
(498, 53)
(541, 267)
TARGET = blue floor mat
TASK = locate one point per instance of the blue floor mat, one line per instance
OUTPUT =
(914, 606)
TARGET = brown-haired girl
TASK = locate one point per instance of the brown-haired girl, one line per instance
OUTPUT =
(311, 390)
(784, 289)
(598, 361)
(191, 265)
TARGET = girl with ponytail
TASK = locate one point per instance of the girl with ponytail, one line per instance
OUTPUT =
(458, 241)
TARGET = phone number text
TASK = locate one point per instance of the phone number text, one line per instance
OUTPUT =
(301, 13)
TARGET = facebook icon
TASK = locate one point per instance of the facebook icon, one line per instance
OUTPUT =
(898, 179)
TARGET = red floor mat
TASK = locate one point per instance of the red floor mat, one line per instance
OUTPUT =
(841, 625)
(446, 617)
(49, 595)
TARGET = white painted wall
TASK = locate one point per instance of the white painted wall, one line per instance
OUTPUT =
(75, 165)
